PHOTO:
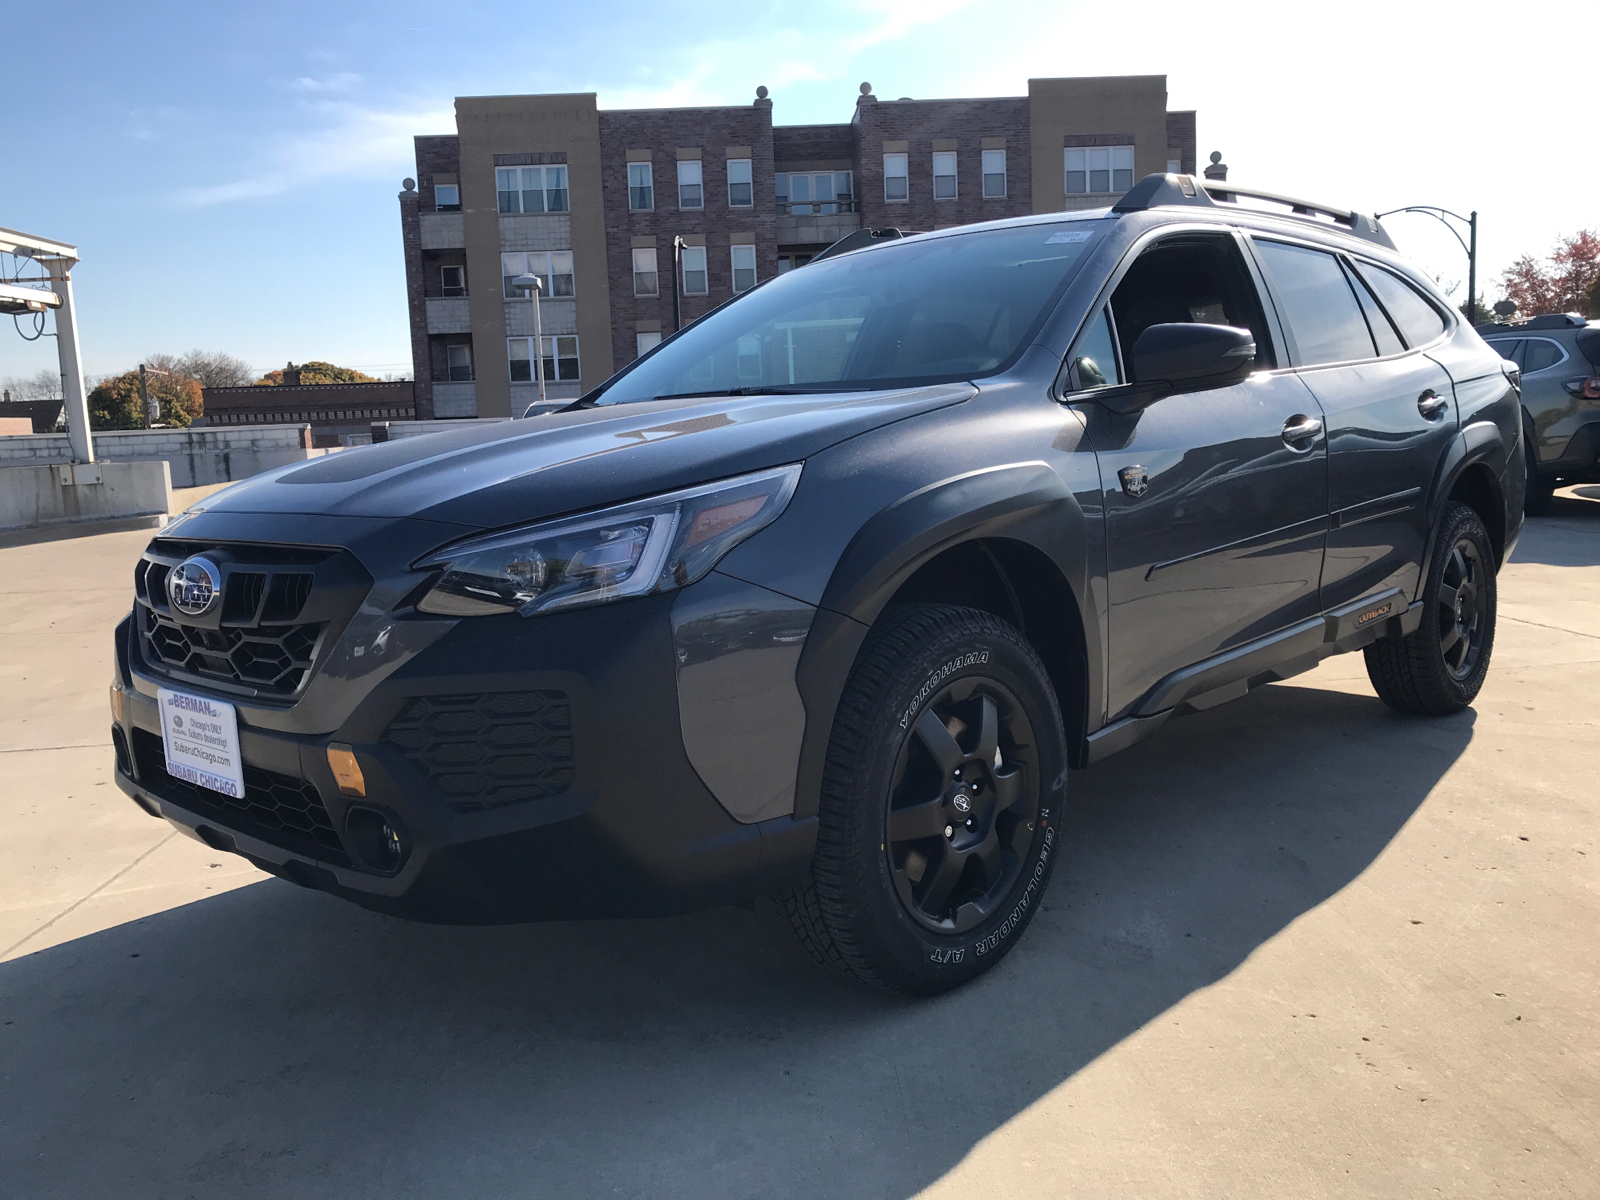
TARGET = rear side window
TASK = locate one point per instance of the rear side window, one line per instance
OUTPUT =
(1509, 349)
(1418, 320)
(1540, 354)
(1317, 304)
(1383, 331)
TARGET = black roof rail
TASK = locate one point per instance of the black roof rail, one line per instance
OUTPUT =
(1168, 190)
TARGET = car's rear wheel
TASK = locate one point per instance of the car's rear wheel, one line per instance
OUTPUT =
(944, 781)
(1439, 669)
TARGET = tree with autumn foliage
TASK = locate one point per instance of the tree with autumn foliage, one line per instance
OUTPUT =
(1568, 281)
(316, 372)
(115, 404)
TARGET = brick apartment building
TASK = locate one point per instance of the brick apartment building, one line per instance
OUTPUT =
(591, 201)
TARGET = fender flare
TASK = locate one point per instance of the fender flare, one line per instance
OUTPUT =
(1022, 502)
(1479, 442)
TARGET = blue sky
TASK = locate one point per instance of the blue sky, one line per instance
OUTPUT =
(229, 172)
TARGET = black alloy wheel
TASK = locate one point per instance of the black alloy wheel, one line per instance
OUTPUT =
(1438, 669)
(962, 806)
(941, 795)
(1463, 608)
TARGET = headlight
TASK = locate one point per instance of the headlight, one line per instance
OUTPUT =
(632, 550)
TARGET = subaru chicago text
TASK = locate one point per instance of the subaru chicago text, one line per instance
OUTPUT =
(826, 596)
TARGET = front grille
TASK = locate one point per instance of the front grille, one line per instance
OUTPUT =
(278, 809)
(489, 750)
(279, 607)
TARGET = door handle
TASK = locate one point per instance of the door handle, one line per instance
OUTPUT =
(1430, 404)
(1299, 431)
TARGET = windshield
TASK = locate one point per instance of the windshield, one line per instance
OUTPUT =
(924, 310)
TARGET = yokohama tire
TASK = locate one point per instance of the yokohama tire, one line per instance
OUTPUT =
(944, 781)
(1439, 669)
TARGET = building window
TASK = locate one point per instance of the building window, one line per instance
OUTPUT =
(452, 281)
(994, 174)
(894, 177)
(1174, 166)
(447, 197)
(517, 353)
(553, 266)
(788, 262)
(560, 359)
(1097, 169)
(532, 189)
(641, 187)
(645, 280)
(458, 363)
(824, 192)
(694, 271)
(643, 343)
(690, 192)
(744, 268)
(944, 175)
(741, 192)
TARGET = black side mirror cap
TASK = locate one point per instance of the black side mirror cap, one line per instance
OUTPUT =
(1186, 356)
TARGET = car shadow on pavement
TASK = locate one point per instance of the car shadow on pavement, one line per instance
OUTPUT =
(1564, 535)
(273, 1041)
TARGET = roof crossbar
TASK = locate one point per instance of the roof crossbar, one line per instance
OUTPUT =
(1165, 190)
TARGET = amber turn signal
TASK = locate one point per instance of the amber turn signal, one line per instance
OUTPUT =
(346, 770)
(116, 704)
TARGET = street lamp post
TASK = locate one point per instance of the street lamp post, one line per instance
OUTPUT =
(1470, 246)
(677, 273)
(150, 414)
(533, 285)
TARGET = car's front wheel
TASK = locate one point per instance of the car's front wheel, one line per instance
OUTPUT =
(940, 798)
(1438, 669)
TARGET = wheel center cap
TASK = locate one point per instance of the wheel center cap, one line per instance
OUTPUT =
(962, 803)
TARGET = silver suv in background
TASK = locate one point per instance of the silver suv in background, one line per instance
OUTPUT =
(1559, 356)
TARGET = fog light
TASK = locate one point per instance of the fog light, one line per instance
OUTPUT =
(116, 703)
(346, 770)
(375, 839)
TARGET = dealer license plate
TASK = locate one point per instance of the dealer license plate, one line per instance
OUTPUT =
(201, 738)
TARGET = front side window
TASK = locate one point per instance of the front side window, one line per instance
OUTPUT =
(458, 363)
(895, 171)
(744, 268)
(643, 343)
(1193, 278)
(531, 189)
(1092, 362)
(1316, 302)
(694, 271)
(741, 191)
(446, 197)
(944, 175)
(452, 281)
(1092, 170)
(926, 309)
(641, 187)
(645, 280)
(1419, 321)
(994, 174)
(691, 193)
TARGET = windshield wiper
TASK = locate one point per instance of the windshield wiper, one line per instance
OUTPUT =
(768, 390)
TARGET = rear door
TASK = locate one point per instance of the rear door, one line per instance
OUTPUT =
(1215, 500)
(1390, 410)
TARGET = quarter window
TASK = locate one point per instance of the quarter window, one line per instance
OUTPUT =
(531, 189)
(1383, 331)
(895, 177)
(1419, 321)
(1098, 169)
(691, 193)
(641, 187)
(1316, 301)
(994, 174)
(1093, 361)
(645, 280)
(744, 268)
(741, 193)
(694, 271)
(944, 175)
(1540, 354)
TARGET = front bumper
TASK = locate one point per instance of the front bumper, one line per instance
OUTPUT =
(607, 817)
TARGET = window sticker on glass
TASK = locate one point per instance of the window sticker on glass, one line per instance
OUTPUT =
(1067, 236)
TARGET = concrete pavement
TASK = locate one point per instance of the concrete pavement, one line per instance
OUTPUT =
(1295, 946)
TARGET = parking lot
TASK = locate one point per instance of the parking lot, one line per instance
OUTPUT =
(1295, 946)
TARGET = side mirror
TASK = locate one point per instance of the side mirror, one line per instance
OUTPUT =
(1187, 357)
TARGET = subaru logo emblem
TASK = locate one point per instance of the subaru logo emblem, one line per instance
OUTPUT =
(963, 803)
(193, 586)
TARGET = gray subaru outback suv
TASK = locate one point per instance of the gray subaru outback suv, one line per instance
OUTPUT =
(1559, 357)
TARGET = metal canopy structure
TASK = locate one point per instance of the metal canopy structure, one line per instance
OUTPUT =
(56, 260)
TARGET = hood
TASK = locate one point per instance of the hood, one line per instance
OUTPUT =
(510, 472)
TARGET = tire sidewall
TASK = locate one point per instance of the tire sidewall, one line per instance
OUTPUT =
(925, 959)
(1460, 521)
